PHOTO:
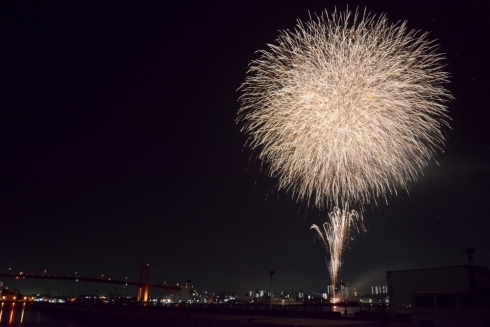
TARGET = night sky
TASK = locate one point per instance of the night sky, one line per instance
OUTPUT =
(119, 147)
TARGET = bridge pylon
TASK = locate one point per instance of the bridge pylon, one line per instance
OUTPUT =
(143, 289)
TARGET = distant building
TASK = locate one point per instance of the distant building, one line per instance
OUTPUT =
(183, 295)
(379, 289)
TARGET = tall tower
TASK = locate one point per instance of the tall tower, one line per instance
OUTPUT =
(143, 289)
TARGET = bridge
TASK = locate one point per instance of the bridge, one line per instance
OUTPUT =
(143, 287)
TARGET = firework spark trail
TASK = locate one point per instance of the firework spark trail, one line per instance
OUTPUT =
(336, 230)
(345, 109)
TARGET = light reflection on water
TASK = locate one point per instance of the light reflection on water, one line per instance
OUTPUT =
(14, 312)
(21, 314)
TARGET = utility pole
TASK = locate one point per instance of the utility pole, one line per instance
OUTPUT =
(469, 255)
(271, 273)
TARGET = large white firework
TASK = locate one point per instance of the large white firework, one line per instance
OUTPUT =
(345, 108)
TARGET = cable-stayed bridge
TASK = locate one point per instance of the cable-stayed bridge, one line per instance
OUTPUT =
(143, 285)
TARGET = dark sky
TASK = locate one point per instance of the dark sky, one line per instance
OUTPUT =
(119, 147)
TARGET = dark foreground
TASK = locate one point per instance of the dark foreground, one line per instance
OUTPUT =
(40, 315)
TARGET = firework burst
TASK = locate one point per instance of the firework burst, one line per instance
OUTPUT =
(345, 109)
